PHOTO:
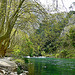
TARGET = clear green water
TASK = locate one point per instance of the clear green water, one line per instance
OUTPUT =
(51, 66)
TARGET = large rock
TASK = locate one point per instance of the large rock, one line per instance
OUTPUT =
(8, 67)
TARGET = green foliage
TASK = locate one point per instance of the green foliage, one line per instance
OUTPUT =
(45, 37)
(66, 44)
(18, 71)
(57, 55)
(17, 14)
(72, 35)
(18, 17)
(47, 40)
(64, 53)
(23, 47)
(19, 61)
(22, 66)
(43, 53)
(16, 51)
(72, 12)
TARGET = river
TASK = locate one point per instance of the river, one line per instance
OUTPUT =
(51, 66)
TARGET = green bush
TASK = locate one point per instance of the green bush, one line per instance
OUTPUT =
(20, 61)
(48, 55)
(57, 55)
(43, 53)
(64, 53)
(18, 71)
(22, 66)
(25, 49)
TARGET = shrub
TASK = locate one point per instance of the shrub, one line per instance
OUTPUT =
(43, 53)
(64, 53)
(57, 55)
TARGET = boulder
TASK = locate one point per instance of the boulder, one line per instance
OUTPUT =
(8, 67)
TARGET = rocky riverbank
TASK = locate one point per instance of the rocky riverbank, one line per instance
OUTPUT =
(8, 67)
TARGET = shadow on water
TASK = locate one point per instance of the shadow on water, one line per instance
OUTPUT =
(50, 66)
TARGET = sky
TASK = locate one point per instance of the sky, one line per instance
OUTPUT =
(66, 3)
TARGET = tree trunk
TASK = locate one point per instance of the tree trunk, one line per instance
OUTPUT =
(5, 35)
(3, 47)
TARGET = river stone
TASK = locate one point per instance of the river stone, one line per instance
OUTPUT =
(23, 74)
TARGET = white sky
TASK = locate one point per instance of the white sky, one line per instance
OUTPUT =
(67, 3)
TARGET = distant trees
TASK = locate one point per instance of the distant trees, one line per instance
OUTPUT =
(72, 35)
(46, 38)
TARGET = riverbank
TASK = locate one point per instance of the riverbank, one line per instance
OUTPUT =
(9, 67)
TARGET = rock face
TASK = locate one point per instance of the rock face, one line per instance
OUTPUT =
(7, 67)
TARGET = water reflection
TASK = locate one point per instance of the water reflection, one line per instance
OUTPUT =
(51, 66)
